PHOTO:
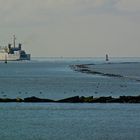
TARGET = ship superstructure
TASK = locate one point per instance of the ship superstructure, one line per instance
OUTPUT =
(13, 53)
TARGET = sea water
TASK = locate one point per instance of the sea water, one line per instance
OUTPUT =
(51, 121)
(53, 78)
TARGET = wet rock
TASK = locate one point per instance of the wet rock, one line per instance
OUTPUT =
(130, 99)
(102, 99)
(75, 99)
(36, 99)
(86, 99)
(19, 100)
(7, 100)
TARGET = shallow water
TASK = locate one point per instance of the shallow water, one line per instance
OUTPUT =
(53, 78)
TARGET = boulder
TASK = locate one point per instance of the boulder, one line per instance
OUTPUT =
(74, 99)
(36, 99)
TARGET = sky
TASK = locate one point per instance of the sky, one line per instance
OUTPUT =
(72, 28)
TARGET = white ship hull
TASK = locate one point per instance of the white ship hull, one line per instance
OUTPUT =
(13, 57)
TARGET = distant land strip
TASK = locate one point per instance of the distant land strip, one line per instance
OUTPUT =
(83, 68)
(76, 99)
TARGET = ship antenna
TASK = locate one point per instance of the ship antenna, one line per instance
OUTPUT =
(14, 41)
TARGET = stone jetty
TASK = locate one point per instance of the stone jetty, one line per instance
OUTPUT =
(83, 68)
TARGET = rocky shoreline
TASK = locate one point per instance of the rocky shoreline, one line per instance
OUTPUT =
(76, 99)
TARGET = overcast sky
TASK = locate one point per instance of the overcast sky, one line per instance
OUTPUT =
(72, 28)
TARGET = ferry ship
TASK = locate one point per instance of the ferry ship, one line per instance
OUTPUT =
(13, 52)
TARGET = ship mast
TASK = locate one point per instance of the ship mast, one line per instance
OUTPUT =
(14, 41)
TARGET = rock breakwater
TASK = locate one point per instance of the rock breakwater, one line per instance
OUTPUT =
(83, 68)
(76, 99)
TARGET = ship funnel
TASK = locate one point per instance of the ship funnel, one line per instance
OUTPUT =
(9, 46)
(19, 46)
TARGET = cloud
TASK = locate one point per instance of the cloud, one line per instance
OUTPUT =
(54, 3)
(63, 27)
(41, 12)
(31, 12)
(129, 5)
(13, 4)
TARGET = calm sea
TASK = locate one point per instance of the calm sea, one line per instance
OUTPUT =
(53, 78)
